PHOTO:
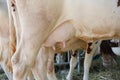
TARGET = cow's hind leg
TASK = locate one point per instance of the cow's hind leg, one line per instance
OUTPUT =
(22, 64)
(40, 68)
(50, 66)
(20, 72)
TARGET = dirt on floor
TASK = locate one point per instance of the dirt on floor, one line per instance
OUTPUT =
(97, 72)
(2, 75)
(101, 74)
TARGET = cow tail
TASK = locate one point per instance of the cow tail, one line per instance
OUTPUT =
(12, 36)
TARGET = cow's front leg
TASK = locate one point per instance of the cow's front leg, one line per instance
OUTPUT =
(73, 63)
(87, 64)
(91, 49)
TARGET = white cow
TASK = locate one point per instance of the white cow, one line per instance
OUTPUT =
(42, 21)
(4, 38)
(5, 54)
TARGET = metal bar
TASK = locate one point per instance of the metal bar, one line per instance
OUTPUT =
(68, 56)
(79, 57)
(59, 64)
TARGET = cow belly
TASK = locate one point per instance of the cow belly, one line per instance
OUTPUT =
(75, 44)
(93, 18)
